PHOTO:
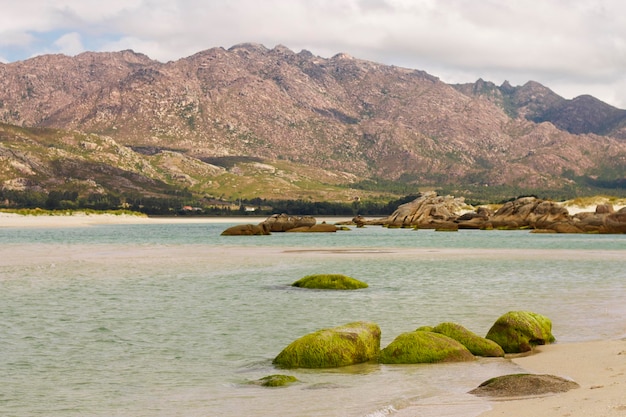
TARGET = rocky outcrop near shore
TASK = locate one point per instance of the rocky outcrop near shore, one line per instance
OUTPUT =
(246, 230)
(281, 223)
(358, 342)
(430, 211)
(284, 222)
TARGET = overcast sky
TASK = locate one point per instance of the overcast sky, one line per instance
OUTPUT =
(573, 47)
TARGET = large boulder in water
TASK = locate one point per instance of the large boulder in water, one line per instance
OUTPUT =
(479, 346)
(276, 380)
(246, 230)
(520, 331)
(349, 344)
(284, 222)
(424, 347)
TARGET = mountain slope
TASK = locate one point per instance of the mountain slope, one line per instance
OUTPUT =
(350, 118)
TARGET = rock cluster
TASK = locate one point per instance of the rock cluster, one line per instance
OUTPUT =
(281, 223)
(430, 211)
(353, 343)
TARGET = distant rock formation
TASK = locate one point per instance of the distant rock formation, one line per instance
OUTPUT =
(430, 211)
(529, 212)
(281, 223)
(284, 222)
(246, 230)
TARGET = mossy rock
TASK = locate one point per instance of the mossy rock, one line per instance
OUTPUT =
(329, 282)
(523, 385)
(276, 380)
(424, 347)
(520, 331)
(349, 344)
(479, 346)
(424, 329)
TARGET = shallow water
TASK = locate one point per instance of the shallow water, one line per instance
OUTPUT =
(176, 320)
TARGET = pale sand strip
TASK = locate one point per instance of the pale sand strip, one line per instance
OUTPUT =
(598, 367)
(80, 219)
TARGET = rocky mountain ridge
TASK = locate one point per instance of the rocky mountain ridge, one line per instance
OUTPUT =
(351, 119)
(537, 103)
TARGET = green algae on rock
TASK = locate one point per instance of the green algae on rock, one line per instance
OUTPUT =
(520, 331)
(424, 347)
(276, 380)
(349, 344)
(424, 329)
(479, 346)
(329, 282)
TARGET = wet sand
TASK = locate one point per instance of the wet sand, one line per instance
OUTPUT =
(599, 367)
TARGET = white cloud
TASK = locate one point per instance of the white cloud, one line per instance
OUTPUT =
(576, 45)
(69, 44)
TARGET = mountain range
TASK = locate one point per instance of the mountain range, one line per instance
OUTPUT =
(249, 121)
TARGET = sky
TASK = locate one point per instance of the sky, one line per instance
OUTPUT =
(573, 47)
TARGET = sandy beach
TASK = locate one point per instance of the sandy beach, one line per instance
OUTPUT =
(599, 367)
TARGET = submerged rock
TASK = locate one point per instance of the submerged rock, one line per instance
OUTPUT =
(276, 380)
(316, 228)
(424, 347)
(523, 385)
(349, 344)
(329, 282)
(520, 331)
(479, 346)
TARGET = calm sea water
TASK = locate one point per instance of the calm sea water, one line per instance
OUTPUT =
(176, 320)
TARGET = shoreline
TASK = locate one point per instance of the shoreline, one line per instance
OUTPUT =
(80, 219)
(599, 367)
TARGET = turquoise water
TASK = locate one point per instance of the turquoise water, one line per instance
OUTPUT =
(176, 320)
